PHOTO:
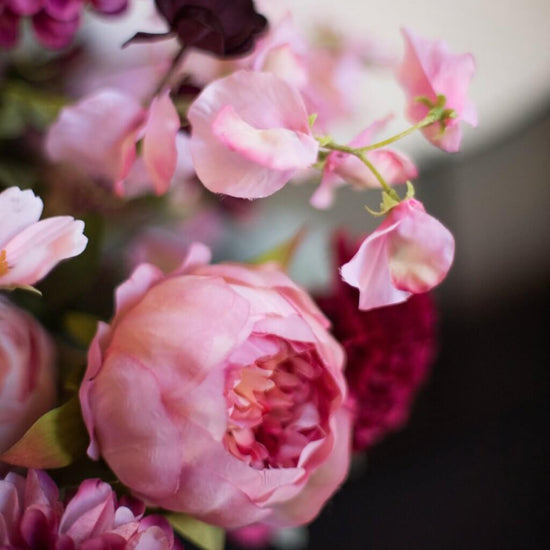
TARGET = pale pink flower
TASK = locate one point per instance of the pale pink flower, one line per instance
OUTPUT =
(341, 168)
(29, 248)
(99, 134)
(217, 391)
(32, 516)
(428, 70)
(250, 135)
(409, 253)
(27, 373)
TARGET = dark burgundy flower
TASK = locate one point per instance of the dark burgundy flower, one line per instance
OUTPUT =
(224, 28)
(389, 349)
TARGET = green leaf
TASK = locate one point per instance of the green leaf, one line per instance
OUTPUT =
(55, 440)
(81, 327)
(282, 253)
(204, 535)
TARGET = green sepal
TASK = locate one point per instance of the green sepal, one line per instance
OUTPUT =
(55, 440)
(203, 535)
(324, 140)
(410, 190)
(283, 253)
(311, 119)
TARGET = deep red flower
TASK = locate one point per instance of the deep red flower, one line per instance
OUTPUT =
(389, 349)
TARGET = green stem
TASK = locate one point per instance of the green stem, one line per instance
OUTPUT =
(362, 157)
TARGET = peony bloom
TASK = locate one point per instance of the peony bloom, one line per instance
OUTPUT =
(217, 391)
(255, 125)
(27, 373)
(428, 70)
(29, 248)
(54, 23)
(409, 253)
(389, 353)
(216, 26)
(32, 517)
(99, 134)
(341, 168)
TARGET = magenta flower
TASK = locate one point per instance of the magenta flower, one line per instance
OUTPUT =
(389, 353)
(29, 248)
(218, 391)
(54, 22)
(27, 373)
(255, 126)
(32, 517)
(428, 70)
(99, 135)
(341, 168)
(409, 253)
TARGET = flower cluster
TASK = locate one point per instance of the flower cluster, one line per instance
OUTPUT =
(219, 394)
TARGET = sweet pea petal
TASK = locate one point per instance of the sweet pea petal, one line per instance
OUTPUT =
(276, 148)
(18, 209)
(37, 249)
(54, 33)
(421, 250)
(159, 142)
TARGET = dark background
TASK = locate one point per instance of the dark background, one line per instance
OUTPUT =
(470, 471)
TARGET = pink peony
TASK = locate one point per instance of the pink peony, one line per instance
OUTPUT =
(27, 373)
(428, 70)
(409, 253)
(29, 248)
(32, 517)
(341, 168)
(389, 354)
(217, 391)
(99, 134)
(250, 135)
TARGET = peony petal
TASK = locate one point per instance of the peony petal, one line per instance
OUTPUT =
(18, 209)
(37, 249)
(159, 142)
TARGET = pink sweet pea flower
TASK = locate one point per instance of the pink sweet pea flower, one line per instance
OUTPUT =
(250, 135)
(409, 253)
(341, 168)
(99, 134)
(29, 248)
(428, 70)
(218, 391)
(32, 516)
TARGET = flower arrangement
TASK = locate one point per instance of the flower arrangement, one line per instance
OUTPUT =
(149, 395)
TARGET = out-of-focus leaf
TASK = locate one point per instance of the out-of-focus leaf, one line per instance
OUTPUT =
(55, 440)
(282, 253)
(203, 535)
(81, 327)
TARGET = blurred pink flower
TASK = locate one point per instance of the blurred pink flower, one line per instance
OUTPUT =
(217, 391)
(54, 22)
(100, 132)
(27, 373)
(428, 70)
(32, 516)
(341, 168)
(409, 253)
(255, 125)
(29, 248)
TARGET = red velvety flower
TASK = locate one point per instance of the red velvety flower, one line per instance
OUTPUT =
(390, 351)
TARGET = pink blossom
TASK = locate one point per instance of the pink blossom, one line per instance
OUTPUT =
(255, 126)
(32, 516)
(217, 391)
(29, 248)
(27, 373)
(409, 253)
(428, 70)
(99, 134)
(341, 168)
